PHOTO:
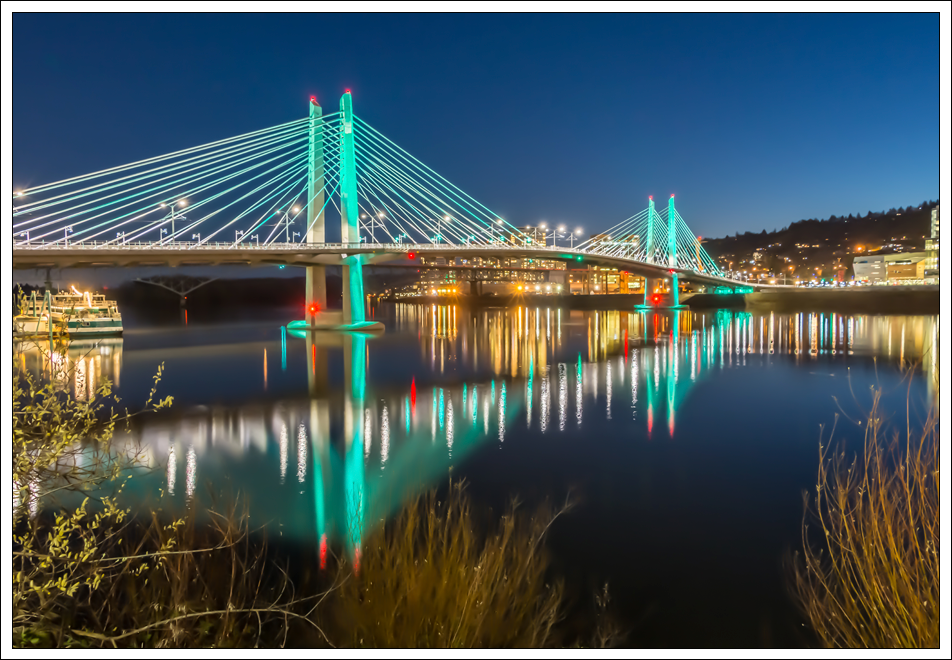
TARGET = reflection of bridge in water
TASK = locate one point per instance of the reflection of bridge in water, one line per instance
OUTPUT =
(338, 463)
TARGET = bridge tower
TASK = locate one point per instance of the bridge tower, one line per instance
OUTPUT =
(649, 252)
(673, 250)
(352, 269)
(315, 280)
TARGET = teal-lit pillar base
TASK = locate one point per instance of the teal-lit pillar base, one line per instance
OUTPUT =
(331, 322)
(646, 305)
(674, 296)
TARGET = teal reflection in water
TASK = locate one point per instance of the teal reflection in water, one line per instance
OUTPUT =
(329, 463)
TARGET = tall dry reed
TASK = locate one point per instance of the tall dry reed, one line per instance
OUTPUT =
(869, 573)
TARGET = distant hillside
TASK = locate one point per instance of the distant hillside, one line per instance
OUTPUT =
(828, 244)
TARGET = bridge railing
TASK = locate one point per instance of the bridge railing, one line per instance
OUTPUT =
(362, 246)
(231, 245)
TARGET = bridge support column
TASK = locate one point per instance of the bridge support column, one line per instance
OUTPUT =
(316, 315)
(352, 275)
(673, 252)
(315, 281)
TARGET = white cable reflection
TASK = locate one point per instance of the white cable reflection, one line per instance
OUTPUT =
(563, 397)
(578, 393)
(449, 427)
(170, 472)
(475, 405)
(283, 451)
(301, 453)
(384, 437)
(190, 470)
(502, 412)
(544, 401)
(368, 435)
(608, 389)
(634, 383)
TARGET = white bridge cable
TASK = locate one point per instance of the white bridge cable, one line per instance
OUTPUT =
(423, 192)
(188, 193)
(384, 141)
(191, 192)
(426, 199)
(385, 186)
(369, 180)
(214, 157)
(382, 189)
(296, 177)
(163, 193)
(406, 218)
(292, 200)
(140, 163)
(289, 164)
(624, 226)
(429, 218)
(327, 199)
(157, 224)
(283, 175)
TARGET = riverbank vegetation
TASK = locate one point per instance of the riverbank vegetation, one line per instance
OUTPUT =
(97, 574)
(869, 573)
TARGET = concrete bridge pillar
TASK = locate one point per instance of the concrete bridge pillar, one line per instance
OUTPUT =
(315, 280)
(673, 251)
(353, 280)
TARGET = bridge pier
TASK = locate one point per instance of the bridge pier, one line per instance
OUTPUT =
(353, 316)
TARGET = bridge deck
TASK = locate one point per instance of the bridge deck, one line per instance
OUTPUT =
(92, 255)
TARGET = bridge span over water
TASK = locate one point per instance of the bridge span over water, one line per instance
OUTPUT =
(91, 255)
(262, 198)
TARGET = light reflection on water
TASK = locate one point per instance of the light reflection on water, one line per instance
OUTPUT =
(499, 365)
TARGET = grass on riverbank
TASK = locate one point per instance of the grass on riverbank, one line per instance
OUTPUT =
(869, 573)
(98, 575)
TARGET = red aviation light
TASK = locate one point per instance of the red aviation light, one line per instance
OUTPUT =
(313, 308)
(650, 196)
(411, 255)
(314, 100)
(656, 298)
(346, 91)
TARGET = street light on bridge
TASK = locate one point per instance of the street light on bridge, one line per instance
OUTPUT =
(286, 220)
(577, 232)
(172, 215)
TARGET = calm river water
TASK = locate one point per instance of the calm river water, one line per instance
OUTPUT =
(687, 438)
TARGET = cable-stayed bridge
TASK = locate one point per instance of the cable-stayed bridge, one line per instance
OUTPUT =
(265, 197)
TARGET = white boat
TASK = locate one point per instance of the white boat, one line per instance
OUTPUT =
(73, 313)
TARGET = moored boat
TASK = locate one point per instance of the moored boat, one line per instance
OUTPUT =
(72, 313)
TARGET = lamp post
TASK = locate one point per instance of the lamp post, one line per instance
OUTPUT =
(439, 226)
(198, 236)
(238, 234)
(27, 234)
(286, 219)
(255, 236)
(173, 216)
(297, 233)
(121, 234)
(66, 233)
(577, 232)
(498, 222)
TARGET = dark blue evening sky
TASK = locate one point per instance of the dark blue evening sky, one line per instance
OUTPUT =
(754, 121)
